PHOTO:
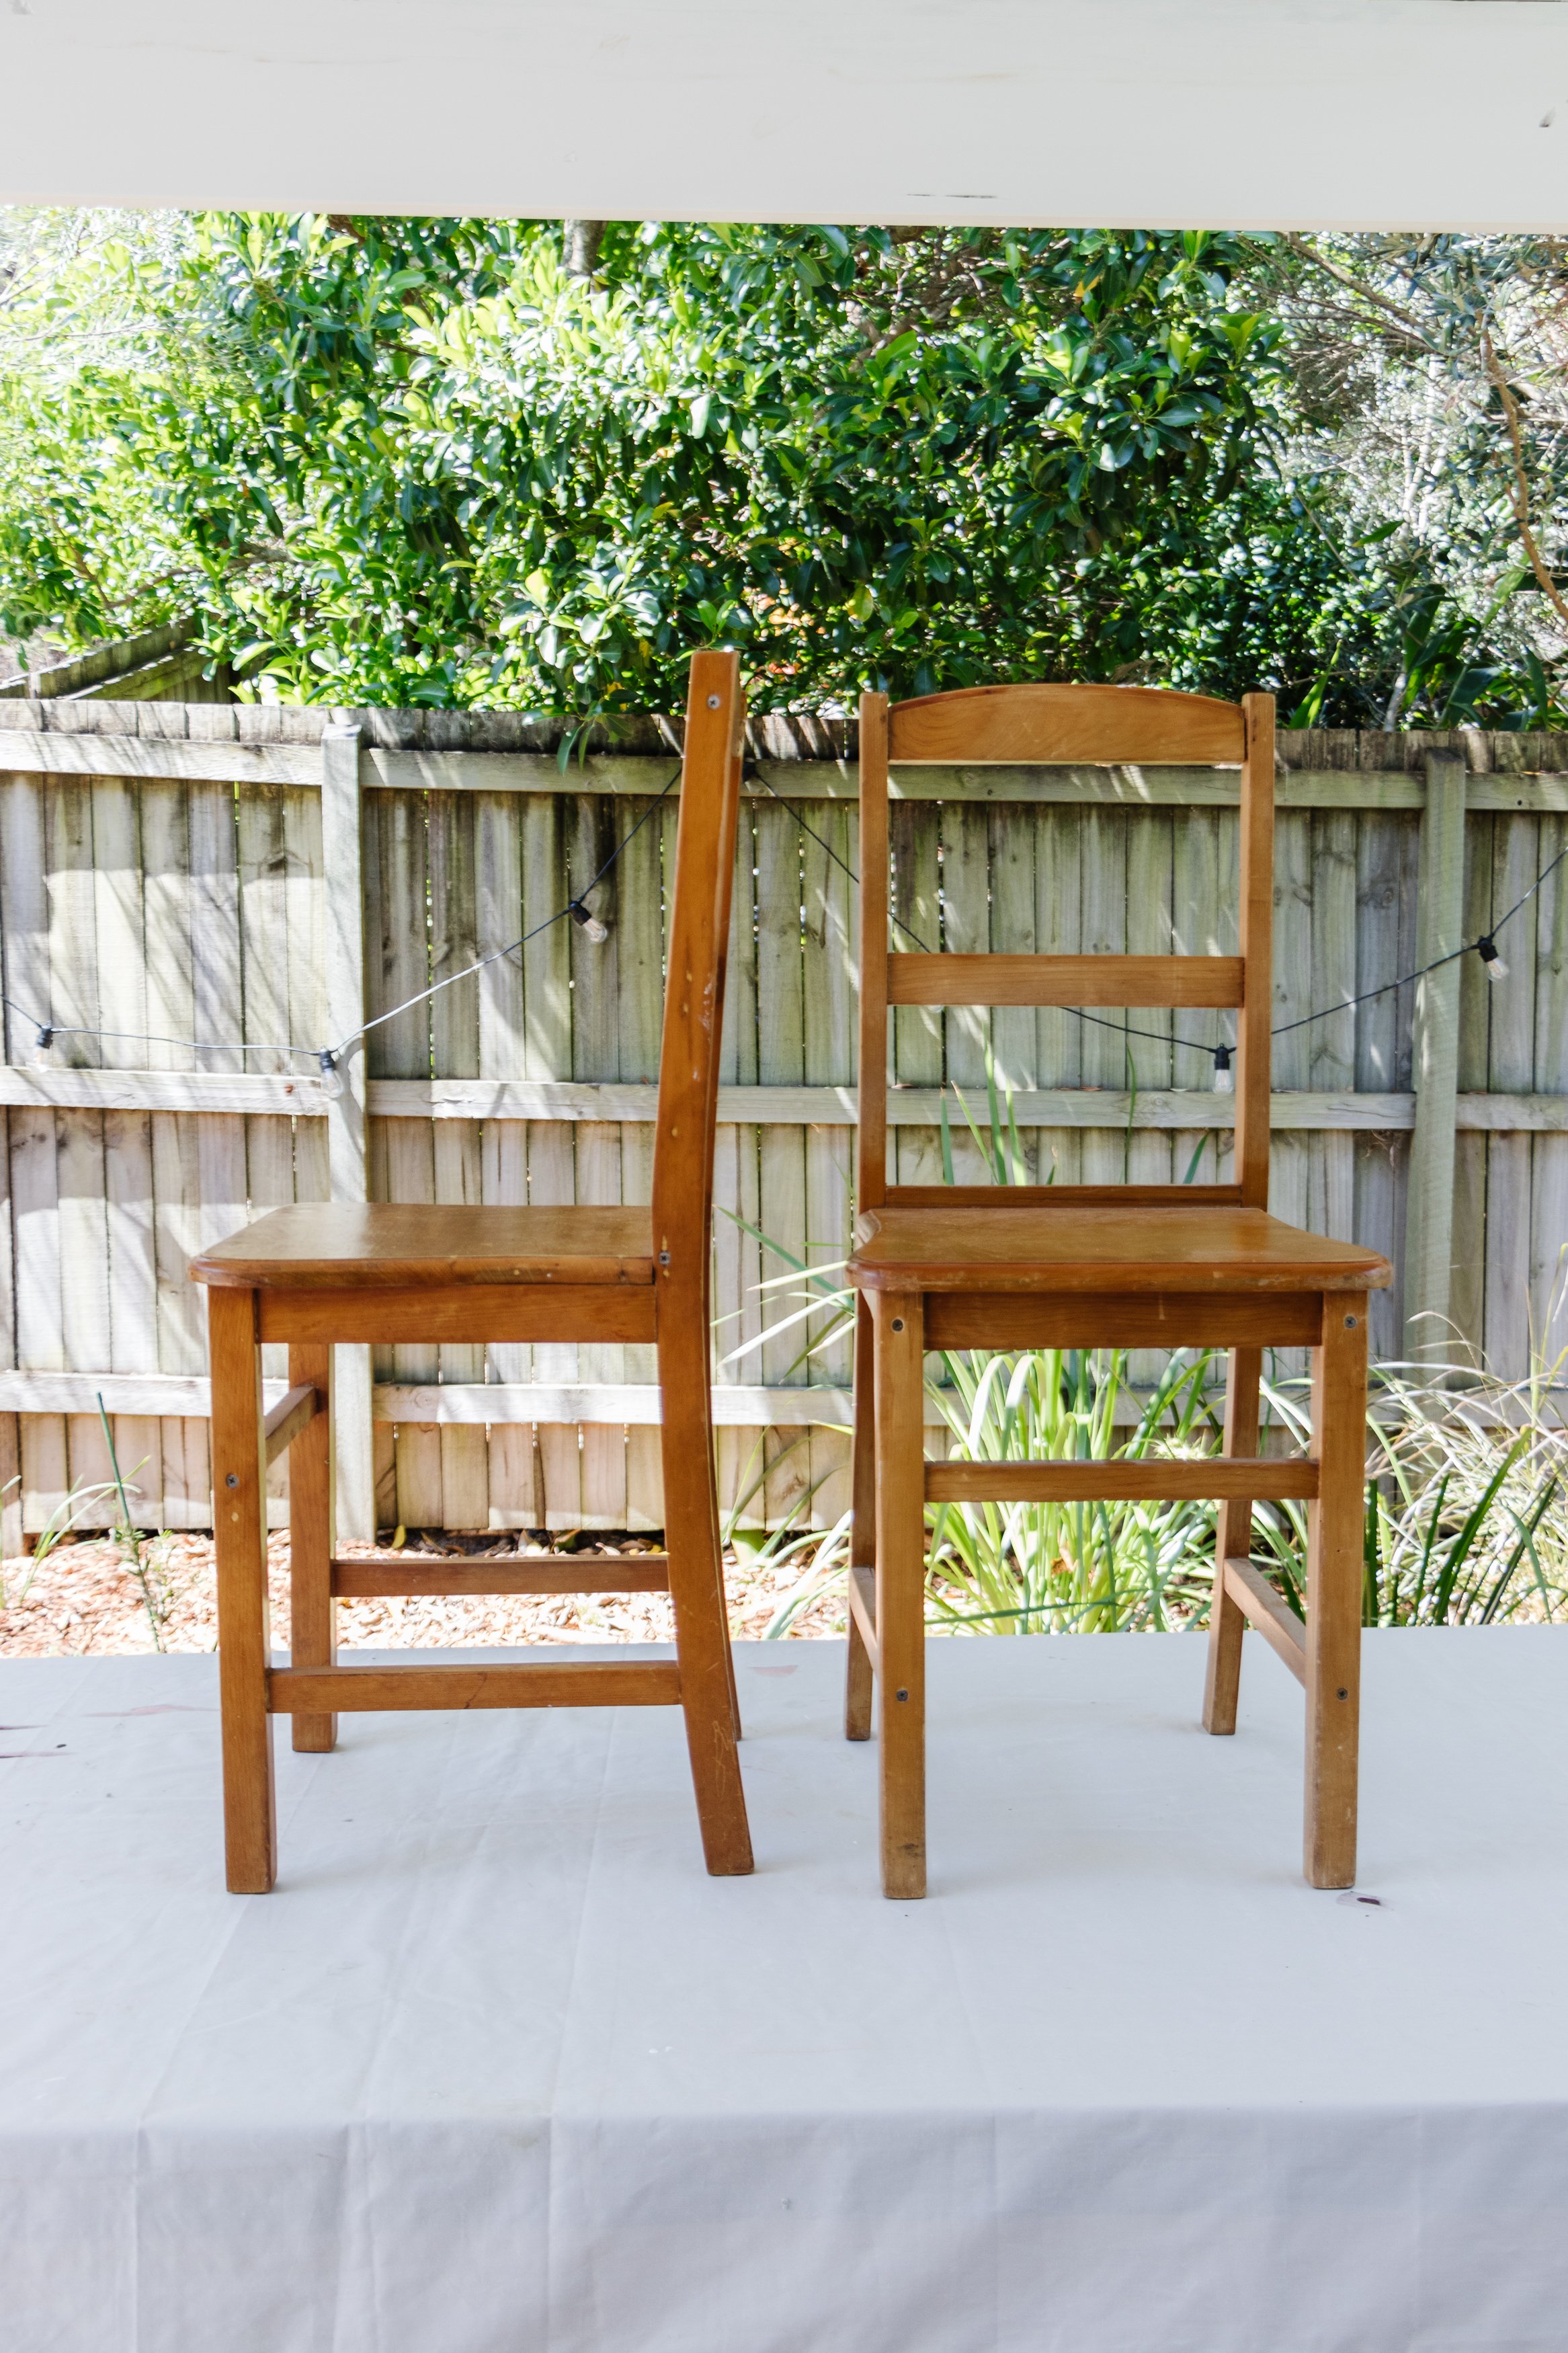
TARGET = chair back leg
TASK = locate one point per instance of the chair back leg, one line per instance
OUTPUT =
(312, 1612)
(1335, 1524)
(1233, 1539)
(858, 1678)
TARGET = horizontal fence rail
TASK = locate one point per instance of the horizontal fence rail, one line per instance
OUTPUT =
(174, 872)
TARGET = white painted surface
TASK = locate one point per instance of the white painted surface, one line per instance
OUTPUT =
(497, 2066)
(1153, 112)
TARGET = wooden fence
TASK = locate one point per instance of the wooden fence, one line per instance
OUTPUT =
(271, 876)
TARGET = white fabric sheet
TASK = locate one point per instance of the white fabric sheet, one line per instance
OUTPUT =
(498, 2068)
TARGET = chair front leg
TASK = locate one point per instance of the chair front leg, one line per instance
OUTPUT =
(1335, 1522)
(1233, 1538)
(857, 1681)
(900, 1588)
(312, 1613)
(239, 1528)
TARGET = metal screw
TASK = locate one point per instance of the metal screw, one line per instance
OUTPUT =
(233, 1479)
(1343, 1694)
(712, 702)
(1350, 1322)
(897, 1322)
(901, 1695)
(663, 1257)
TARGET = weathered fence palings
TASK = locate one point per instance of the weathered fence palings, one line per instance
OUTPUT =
(180, 871)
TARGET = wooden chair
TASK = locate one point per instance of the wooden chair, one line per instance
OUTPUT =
(311, 1276)
(1085, 1266)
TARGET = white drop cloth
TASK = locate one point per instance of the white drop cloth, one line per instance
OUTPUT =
(497, 2069)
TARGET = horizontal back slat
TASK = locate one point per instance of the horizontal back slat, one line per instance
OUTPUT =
(1052, 723)
(1118, 980)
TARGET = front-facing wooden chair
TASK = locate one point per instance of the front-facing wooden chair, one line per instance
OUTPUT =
(313, 1276)
(1079, 1266)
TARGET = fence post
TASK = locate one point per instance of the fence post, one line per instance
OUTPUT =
(341, 865)
(1440, 930)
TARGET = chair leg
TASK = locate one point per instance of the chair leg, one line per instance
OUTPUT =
(313, 1637)
(1335, 1524)
(696, 1592)
(240, 1526)
(1233, 1538)
(857, 1679)
(900, 1589)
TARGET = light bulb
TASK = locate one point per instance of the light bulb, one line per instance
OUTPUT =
(1224, 1083)
(331, 1077)
(1486, 948)
(592, 927)
(41, 1044)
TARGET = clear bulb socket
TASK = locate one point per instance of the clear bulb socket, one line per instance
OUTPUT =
(41, 1045)
(1496, 968)
(331, 1077)
(1224, 1083)
(590, 925)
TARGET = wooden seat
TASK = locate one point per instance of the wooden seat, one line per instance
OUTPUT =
(320, 1274)
(986, 1267)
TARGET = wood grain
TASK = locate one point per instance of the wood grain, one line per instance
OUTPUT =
(1116, 1482)
(1120, 980)
(470, 1311)
(1334, 1592)
(250, 1820)
(1233, 1540)
(362, 1578)
(312, 1532)
(1250, 1593)
(981, 723)
(357, 1690)
(391, 1244)
(901, 1591)
(1109, 1250)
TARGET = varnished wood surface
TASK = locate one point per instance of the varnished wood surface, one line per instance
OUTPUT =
(1118, 980)
(901, 1595)
(463, 1312)
(1107, 1251)
(1233, 1540)
(393, 1573)
(977, 724)
(1063, 1197)
(292, 1414)
(1092, 1319)
(357, 1690)
(240, 1529)
(1158, 1480)
(313, 1502)
(385, 1244)
(1335, 1526)
(1251, 1593)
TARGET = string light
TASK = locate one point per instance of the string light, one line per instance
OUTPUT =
(1486, 948)
(1224, 1084)
(590, 925)
(331, 1077)
(41, 1044)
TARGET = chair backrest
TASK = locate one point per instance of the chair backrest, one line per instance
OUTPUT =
(1047, 725)
(694, 975)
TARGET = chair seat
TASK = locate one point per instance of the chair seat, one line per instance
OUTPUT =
(394, 1244)
(1103, 1251)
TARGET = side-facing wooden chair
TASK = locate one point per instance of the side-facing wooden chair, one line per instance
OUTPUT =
(1081, 1266)
(311, 1276)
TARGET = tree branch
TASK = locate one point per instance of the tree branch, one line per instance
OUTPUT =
(1519, 483)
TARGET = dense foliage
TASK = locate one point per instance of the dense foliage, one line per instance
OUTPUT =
(432, 462)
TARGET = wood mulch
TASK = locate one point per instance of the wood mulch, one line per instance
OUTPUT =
(85, 1601)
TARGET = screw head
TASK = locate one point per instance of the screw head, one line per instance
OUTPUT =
(897, 1322)
(712, 702)
(1350, 1322)
(233, 1479)
(1342, 1695)
(903, 1695)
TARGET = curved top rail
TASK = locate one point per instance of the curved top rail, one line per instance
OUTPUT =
(1025, 725)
